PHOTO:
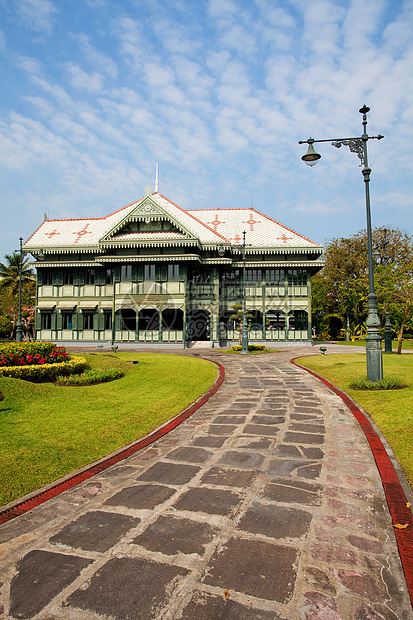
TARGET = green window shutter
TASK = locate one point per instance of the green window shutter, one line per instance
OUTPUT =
(79, 277)
(38, 321)
(54, 316)
(59, 321)
(79, 320)
(39, 279)
(96, 321)
(163, 272)
(117, 273)
(117, 320)
(101, 321)
(57, 277)
(182, 273)
(139, 274)
(74, 320)
(101, 279)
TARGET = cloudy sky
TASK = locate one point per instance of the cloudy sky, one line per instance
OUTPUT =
(93, 91)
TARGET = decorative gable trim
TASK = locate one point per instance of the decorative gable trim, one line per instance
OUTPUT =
(147, 211)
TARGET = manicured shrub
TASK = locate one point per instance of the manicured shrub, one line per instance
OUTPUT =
(31, 353)
(383, 384)
(91, 376)
(251, 347)
(38, 373)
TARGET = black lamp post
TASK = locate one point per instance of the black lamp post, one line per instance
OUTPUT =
(19, 327)
(358, 145)
(244, 332)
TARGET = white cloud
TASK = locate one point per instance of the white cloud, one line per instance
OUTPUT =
(82, 80)
(217, 8)
(221, 92)
(96, 58)
(37, 15)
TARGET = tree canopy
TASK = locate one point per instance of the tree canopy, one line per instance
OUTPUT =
(9, 273)
(9, 289)
(341, 288)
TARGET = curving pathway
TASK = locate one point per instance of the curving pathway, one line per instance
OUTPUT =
(265, 504)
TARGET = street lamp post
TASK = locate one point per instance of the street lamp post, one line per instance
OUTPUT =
(244, 331)
(358, 145)
(19, 327)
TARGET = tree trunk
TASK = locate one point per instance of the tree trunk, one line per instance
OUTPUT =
(405, 314)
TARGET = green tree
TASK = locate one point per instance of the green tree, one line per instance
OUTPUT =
(9, 273)
(342, 285)
(9, 297)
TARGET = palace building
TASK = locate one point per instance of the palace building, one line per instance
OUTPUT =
(153, 272)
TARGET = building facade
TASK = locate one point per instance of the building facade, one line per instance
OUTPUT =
(153, 272)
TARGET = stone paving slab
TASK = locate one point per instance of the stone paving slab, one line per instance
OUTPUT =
(265, 504)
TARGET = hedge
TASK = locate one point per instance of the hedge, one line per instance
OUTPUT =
(44, 372)
(251, 347)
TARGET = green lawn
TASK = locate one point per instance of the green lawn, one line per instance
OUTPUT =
(391, 410)
(406, 344)
(48, 431)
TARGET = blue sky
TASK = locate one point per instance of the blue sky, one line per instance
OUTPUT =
(93, 91)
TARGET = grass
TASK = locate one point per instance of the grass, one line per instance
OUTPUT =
(48, 431)
(406, 344)
(391, 410)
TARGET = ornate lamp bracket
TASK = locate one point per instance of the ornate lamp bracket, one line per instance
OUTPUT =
(354, 144)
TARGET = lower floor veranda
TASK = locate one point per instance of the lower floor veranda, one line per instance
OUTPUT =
(175, 311)
(173, 323)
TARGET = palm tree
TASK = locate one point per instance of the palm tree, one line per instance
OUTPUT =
(9, 273)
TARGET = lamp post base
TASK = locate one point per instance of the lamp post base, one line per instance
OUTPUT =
(374, 357)
(244, 340)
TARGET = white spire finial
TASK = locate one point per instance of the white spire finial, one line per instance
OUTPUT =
(157, 177)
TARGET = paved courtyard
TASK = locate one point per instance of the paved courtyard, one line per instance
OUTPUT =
(266, 504)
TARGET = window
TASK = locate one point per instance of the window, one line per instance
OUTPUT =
(88, 320)
(274, 276)
(109, 276)
(66, 320)
(47, 277)
(107, 320)
(253, 276)
(90, 276)
(297, 276)
(173, 272)
(46, 320)
(68, 276)
(126, 273)
(200, 275)
(232, 276)
(150, 273)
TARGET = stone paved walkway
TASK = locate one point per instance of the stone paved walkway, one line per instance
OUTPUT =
(265, 505)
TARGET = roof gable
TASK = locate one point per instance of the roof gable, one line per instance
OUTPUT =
(147, 221)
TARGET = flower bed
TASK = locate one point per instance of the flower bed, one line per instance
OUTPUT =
(44, 372)
(37, 361)
(31, 354)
